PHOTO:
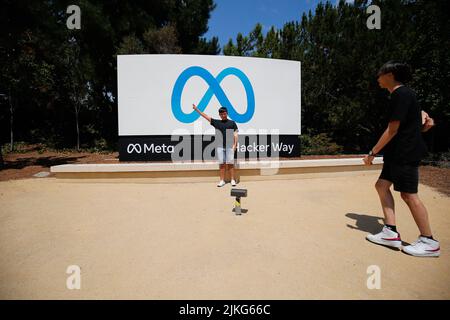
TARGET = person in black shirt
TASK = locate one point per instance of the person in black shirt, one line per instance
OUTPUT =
(226, 142)
(403, 148)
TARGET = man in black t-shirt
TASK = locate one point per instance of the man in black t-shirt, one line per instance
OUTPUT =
(403, 148)
(226, 138)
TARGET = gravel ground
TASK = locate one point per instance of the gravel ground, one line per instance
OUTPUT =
(300, 239)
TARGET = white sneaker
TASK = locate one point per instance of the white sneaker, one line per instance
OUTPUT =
(233, 182)
(221, 183)
(386, 237)
(423, 247)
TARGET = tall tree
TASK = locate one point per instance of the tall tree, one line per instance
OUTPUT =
(63, 82)
(340, 57)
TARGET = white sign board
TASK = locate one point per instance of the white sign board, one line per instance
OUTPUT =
(156, 93)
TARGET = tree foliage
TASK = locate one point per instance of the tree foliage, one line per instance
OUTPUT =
(340, 57)
(59, 79)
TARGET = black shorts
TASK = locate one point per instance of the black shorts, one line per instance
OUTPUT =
(405, 177)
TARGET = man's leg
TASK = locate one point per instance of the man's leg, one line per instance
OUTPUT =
(388, 235)
(387, 200)
(419, 212)
(221, 159)
(230, 163)
(231, 168)
(222, 172)
(425, 246)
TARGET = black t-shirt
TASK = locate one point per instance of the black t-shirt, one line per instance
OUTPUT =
(407, 146)
(224, 131)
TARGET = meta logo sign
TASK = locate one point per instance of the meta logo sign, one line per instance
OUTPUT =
(152, 148)
(156, 93)
(214, 89)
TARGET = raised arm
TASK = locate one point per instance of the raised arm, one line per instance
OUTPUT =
(201, 113)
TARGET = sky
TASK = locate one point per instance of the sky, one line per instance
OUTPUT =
(233, 16)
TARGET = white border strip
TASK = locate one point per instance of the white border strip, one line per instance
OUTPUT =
(188, 166)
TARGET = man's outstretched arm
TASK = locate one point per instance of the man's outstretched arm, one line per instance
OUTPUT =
(204, 115)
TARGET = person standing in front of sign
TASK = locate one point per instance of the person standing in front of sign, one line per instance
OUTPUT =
(226, 138)
(403, 148)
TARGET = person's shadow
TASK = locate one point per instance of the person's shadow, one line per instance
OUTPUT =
(366, 223)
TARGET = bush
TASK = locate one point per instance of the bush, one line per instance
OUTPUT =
(99, 146)
(20, 147)
(320, 144)
(438, 159)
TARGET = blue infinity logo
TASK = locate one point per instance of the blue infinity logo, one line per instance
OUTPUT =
(214, 89)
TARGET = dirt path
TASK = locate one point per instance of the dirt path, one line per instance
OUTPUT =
(301, 239)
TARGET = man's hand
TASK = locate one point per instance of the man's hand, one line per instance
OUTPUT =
(194, 107)
(427, 122)
(368, 160)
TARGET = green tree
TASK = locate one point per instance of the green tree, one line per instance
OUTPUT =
(340, 57)
(63, 83)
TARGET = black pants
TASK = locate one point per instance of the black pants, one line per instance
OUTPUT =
(405, 177)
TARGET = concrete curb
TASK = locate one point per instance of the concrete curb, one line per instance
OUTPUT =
(206, 169)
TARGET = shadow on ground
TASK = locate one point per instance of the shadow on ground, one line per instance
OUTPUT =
(368, 224)
(42, 161)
